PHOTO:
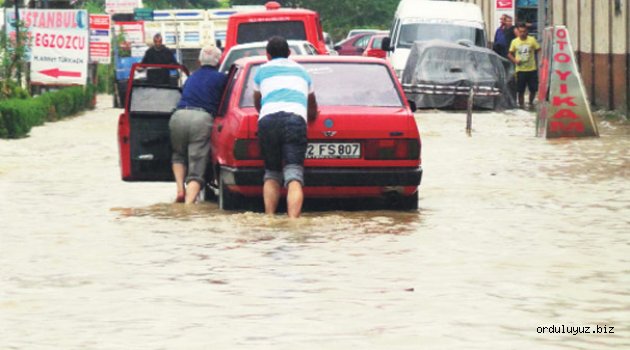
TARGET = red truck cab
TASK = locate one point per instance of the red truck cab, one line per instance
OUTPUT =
(292, 24)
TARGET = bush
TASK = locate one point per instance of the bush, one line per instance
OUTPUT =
(18, 116)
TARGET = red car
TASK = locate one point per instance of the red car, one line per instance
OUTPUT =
(355, 45)
(373, 48)
(143, 133)
(364, 143)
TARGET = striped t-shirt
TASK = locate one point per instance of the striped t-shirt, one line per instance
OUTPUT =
(284, 87)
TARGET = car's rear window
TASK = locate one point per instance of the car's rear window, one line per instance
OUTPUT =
(262, 31)
(343, 84)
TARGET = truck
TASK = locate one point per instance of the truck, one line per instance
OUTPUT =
(292, 24)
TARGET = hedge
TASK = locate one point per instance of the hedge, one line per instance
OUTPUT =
(18, 116)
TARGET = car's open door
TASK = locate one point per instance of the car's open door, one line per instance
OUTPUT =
(143, 133)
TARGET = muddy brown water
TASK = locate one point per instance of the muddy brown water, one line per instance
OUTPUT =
(514, 233)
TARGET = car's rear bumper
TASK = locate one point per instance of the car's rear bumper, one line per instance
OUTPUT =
(319, 177)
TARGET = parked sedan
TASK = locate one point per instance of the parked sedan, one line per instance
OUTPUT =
(297, 47)
(373, 48)
(364, 143)
(355, 45)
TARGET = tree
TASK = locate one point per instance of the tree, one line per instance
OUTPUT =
(181, 4)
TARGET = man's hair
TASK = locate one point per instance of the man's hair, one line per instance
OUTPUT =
(157, 35)
(522, 25)
(277, 46)
(507, 17)
(210, 56)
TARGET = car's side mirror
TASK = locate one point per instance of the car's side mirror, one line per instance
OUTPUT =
(337, 47)
(412, 106)
(385, 44)
(218, 44)
(360, 49)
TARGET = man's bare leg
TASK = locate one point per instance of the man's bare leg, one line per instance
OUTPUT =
(295, 198)
(192, 191)
(179, 171)
(271, 196)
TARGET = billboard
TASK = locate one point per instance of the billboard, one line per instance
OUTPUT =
(100, 39)
(59, 44)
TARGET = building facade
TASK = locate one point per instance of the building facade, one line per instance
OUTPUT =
(600, 34)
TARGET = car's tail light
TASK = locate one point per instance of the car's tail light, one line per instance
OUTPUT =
(246, 149)
(392, 149)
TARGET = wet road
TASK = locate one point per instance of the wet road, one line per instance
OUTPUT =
(513, 233)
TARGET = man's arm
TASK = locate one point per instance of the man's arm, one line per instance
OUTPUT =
(512, 58)
(312, 107)
(257, 100)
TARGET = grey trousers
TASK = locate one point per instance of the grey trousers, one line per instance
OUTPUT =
(190, 140)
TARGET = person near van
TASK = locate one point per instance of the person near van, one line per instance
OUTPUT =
(522, 53)
(191, 123)
(285, 100)
(158, 54)
(500, 45)
(510, 32)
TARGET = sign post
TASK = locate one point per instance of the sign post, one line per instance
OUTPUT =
(59, 45)
(564, 110)
(100, 39)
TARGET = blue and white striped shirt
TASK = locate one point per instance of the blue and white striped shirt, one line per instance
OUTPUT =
(284, 86)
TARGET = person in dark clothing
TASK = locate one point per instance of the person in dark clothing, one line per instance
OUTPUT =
(510, 32)
(191, 123)
(500, 45)
(158, 54)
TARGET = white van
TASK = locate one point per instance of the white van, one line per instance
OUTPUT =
(417, 20)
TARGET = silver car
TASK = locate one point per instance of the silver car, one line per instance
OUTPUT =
(297, 47)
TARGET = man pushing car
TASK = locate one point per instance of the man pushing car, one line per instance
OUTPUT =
(285, 100)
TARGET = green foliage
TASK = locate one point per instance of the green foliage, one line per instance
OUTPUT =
(181, 4)
(105, 78)
(13, 56)
(18, 116)
(339, 16)
(94, 6)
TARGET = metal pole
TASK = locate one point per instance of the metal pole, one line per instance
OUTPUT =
(17, 42)
(471, 98)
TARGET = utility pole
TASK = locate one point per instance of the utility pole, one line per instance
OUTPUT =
(17, 43)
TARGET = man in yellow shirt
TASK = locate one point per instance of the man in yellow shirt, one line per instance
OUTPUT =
(522, 52)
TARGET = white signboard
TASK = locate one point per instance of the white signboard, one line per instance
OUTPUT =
(59, 45)
(121, 6)
(502, 7)
(100, 39)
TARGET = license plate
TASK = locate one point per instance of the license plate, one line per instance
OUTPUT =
(333, 150)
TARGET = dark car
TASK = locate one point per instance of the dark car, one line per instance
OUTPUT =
(441, 74)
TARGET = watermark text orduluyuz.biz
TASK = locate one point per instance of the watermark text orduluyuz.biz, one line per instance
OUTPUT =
(575, 330)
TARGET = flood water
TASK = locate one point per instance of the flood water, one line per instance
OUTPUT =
(514, 233)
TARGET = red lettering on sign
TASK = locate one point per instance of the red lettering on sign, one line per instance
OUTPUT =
(559, 101)
(563, 75)
(564, 89)
(60, 41)
(562, 44)
(562, 57)
(576, 127)
(561, 33)
(565, 113)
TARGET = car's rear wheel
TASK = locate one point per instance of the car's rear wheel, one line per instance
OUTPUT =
(228, 200)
